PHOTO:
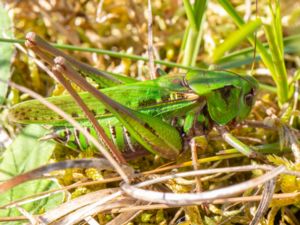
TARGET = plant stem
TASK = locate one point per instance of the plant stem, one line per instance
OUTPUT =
(196, 15)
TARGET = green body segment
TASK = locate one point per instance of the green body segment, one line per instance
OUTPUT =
(149, 97)
(229, 96)
(75, 140)
(144, 108)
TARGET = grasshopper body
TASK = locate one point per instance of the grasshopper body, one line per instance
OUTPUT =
(224, 96)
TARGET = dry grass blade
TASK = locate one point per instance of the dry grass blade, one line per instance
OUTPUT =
(195, 164)
(125, 217)
(150, 43)
(75, 204)
(264, 203)
(39, 172)
(293, 141)
(45, 194)
(92, 208)
(100, 205)
(164, 206)
(216, 170)
(69, 219)
(171, 198)
(255, 198)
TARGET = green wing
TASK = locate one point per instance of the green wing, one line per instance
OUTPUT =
(148, 97)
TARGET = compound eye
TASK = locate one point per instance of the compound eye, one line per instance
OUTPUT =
(249, 98)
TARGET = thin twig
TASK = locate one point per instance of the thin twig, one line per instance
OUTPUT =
(189, 198)
(217, 201)
(195, 164)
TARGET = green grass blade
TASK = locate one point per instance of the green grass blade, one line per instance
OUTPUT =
(274, 61)
(196, 15)
(107, 52)
(266, 58)
(277, 26)
(190, 14)
(245, 56)
(235, 38)
(6, 51)
(274, 36)
(280, 77)
(291, 45)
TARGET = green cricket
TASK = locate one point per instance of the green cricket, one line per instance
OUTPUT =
(155, 114)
